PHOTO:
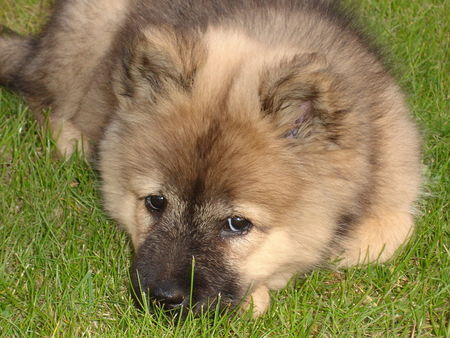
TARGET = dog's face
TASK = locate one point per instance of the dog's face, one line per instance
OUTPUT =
(198, 197)
(207, 177)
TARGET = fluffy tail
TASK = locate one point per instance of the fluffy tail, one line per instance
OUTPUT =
(13, 52)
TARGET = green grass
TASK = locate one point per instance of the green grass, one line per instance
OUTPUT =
(64, 265)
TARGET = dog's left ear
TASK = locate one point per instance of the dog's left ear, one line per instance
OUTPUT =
(304, 97)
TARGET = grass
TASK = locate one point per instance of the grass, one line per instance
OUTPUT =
(64, 266)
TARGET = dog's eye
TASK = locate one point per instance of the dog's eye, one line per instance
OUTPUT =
(155, 203)
(238, 225)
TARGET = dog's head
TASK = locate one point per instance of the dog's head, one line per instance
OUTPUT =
(215, 164)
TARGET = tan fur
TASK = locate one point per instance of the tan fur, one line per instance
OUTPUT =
(216, 105)
(258, 301)
(268, 259)
(376, 240)
(68, 138)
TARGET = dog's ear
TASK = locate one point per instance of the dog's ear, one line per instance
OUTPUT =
(304, 98)
(158, 61)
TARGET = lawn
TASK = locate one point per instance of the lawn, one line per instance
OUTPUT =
(64, 264)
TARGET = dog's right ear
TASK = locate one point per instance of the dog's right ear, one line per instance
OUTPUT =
(157, 61)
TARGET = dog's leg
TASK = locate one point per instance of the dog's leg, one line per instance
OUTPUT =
(68, 138)
(259, 301)
(377, 239)
(14, 50)
(58, 69)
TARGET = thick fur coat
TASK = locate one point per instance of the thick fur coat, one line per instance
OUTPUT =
(275, 116)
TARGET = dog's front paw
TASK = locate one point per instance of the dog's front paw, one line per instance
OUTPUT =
(68, 138)
(258, 301)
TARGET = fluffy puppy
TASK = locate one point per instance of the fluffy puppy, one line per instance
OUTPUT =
(239, 142)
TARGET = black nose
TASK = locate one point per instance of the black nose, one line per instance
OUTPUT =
(169, 294)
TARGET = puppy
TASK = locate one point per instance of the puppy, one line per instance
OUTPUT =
(240, 142)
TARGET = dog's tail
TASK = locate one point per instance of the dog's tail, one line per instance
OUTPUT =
(14, 50)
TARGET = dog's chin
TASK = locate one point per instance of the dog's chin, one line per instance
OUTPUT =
(205, 305)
